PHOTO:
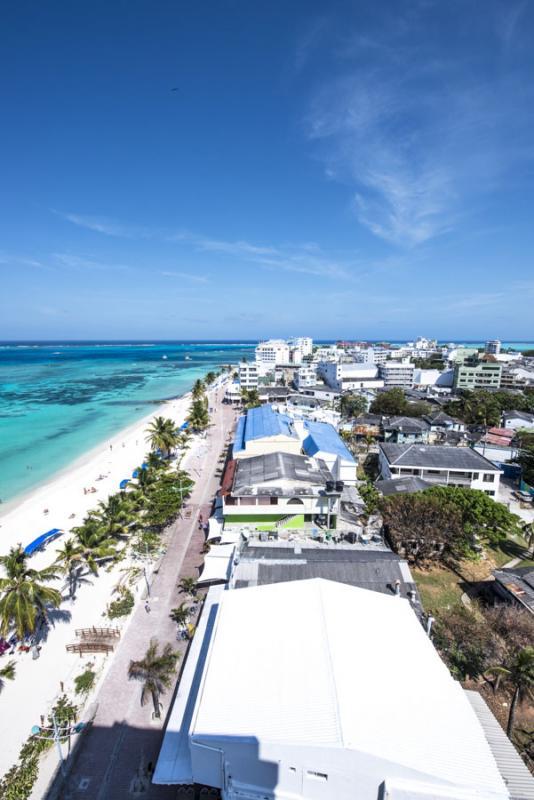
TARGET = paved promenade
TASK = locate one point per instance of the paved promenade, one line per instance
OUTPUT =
(124, 739)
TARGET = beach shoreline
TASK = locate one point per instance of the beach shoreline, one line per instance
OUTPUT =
(98, 471)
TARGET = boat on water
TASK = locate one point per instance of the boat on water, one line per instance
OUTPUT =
(188, 358)
(164, 358)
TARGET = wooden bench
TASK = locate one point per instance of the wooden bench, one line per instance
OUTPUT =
(89, 647)
(98, 633)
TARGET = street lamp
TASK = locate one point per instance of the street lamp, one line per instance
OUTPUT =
(58, 735)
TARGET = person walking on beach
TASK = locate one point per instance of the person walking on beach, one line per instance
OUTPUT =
(147, 606)
(200, 521)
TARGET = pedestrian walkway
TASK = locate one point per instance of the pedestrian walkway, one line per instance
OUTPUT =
(124, 740)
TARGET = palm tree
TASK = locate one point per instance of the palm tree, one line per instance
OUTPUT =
(70, 561)
(520, 674)
(209, 378)
(116, 515)
(7, 673)
(198, 390)
(95, 544)
(188, 586)
(156, 671)
(198, 415)
(24, 597)
(162, 435)
(180, 615)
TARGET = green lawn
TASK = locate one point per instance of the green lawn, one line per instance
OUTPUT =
(439, 588)
(514, 547)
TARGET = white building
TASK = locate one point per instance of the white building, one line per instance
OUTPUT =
(306, 375)
(249, 372)
(273, 351)
(372, 355)
(492, 347)
(397, 373)
(424, 378)
(518, 420)
(304, 344)
(349, 376)
(439, 464)
(328, 353)
(319, 690)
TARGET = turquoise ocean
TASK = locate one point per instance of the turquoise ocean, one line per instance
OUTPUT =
(60, 399)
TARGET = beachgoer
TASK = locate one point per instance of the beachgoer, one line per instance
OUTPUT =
(200, 521)
(45, 511)
(72, 516)
(111, 447)
(147, 606)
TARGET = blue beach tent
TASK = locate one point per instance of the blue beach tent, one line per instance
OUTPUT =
(41, 540)
(135, 473)
(123, 484)
(184, 426)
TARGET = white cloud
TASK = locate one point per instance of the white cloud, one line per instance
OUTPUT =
(419, 127)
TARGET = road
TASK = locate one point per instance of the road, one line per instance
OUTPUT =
(124, 739)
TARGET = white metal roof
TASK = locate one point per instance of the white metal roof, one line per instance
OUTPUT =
(321, 663)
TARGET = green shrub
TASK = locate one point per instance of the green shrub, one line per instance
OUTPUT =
(122, 606)
(84, 682)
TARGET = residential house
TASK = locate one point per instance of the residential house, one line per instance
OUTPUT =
(518, 420)
(498, 445)
(440, 465)
(405, 429)
(406, 485)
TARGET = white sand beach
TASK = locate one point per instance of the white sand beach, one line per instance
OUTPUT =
(102, 469)
(38, 683)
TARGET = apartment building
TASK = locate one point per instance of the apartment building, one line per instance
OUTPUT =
(304, 376)
(372, 355)
(302, 344)
(397, 374)
(273, 351)
(483, 375)
(492, 347)
(249, 373)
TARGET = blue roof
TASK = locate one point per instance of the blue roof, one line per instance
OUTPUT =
(259, 423)
(323, 437)
(37, 543)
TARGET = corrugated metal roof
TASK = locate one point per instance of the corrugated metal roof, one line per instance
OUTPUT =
(519, 781)
(323, 437)
(259, 423)
(435, 456)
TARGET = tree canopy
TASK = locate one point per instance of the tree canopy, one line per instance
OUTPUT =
(445, 522)
(352, 405)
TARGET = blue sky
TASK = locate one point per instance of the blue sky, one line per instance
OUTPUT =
(244, 169)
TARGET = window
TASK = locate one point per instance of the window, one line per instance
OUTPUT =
(318, 776)
(273, 501)
(489, 478)
(490, 492)
(476, 476)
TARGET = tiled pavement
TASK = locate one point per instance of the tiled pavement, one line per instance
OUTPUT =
(124, 739)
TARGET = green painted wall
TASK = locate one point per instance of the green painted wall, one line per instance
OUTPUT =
(253, 518)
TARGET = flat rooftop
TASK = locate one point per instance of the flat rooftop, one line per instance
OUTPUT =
(435, 456)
